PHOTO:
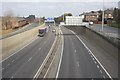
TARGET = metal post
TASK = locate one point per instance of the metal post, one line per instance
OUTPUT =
(103, 16)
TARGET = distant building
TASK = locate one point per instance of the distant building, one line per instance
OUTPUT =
(108, 14)
(91, 16)
(30, 18)
(119, 5)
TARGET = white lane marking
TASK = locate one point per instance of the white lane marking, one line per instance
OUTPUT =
(88, 52)
(29, 59)
(101, 71)
(60, 57)
(75, 51)
(93, 55)
(93, 59)
(12, 77)
(8, 64)
(39, 48)
(103, 76)
(13, 60)
(19, 49)
(78, 64)
(95, 62)
(98, 66)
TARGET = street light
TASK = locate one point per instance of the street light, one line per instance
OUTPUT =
(103, 16)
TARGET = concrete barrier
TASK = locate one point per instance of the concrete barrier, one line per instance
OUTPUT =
(12, 42)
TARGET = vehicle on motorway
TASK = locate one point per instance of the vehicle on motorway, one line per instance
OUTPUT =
(53, 31)
(42, 31)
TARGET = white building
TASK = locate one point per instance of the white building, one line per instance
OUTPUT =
(73, 20)
(119, 5)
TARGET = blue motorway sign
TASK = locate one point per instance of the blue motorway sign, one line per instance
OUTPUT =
(50, 19)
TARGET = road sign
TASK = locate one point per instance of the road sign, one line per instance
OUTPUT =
(50, 19)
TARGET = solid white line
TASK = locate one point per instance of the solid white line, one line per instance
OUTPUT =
(19, 50)
(93, 55)
(60, 57)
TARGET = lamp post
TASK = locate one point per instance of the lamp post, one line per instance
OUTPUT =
(103, 16)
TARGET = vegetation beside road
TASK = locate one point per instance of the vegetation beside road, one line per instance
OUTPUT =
(116, 25)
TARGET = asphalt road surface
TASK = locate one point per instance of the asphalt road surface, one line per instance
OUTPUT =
(77, 62)
(27, 61)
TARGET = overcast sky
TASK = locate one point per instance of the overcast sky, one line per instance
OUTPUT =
(52, 8)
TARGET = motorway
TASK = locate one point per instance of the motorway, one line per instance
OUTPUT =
(26, 62)
(77, 61)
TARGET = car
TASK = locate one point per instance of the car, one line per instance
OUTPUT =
(53, 31)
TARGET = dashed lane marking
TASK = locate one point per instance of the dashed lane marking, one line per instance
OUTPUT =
(95, 62)
(29, 59)
(103, 76)
(75, 50)
(93, 59)
(8, 64)
(39, 48)
(78, 64)
(97, 66)
(13, 60)
(101, 71)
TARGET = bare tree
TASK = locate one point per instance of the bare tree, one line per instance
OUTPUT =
(8, 20)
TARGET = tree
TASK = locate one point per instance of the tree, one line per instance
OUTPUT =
(100, 15)
(115, 14)
(8, 20)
